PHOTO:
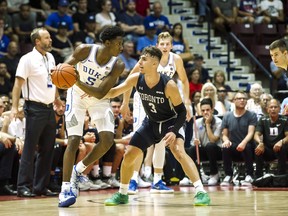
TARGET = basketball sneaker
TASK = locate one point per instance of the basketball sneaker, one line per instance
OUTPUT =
(117, 199)
(66, 198)
(227, 181)
(142, 183)
(185, 182)
(247, 181)
(201, 199)
(113, 182)
(160, 187)
(76, 177)
(133, 187)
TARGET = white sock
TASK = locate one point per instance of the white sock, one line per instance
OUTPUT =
(157, 177)
(123, 188)
(148, 171)
(135, 176)
(95, 171)
(80, 167)
(65, 186)
(113, 175)
(107, 171)
(199, 186)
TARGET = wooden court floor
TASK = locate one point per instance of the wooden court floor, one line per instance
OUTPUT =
(225, 201)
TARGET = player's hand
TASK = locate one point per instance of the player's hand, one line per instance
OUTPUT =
(124, 110)
(14, 113)
(169, 138)
(188, 112)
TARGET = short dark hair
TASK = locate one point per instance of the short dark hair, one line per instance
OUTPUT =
(152, 51)
(206, 101)
(111, 33)
(281, 44)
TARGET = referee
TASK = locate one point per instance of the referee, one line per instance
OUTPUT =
(32, 77)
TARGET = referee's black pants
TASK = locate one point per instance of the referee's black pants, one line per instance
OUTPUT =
(39, 135)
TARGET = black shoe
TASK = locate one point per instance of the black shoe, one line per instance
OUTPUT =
(53, 186)
(46, 192)
(7, 190)
(201, 19)
(25, 193)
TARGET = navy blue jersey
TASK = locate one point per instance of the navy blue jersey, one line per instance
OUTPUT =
(156, 105)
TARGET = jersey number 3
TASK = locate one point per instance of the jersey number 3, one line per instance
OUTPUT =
(152, 108)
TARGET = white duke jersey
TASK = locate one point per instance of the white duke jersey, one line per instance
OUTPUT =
(91, 72)
(170, 68)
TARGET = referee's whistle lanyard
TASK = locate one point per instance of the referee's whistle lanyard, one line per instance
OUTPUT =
(46, 63)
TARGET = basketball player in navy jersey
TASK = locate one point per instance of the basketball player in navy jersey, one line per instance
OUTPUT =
(99, 69)
(166, 115)
(170, 64)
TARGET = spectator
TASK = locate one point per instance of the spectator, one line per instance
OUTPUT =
(62, 47)
(206, 134)
(253, 104)
(88, 35)
(209, 90)
(198, 63)
(106, 17)
(219, 80)
(23, 23)
(194, 82)
(274, 130)
(202, 4)
(143, 7)
(61, 15)
(225, 14)
(264, 99)
(11, 59)
(284, 107)
(271, 11)
(161, 21)
(247, 11)
(5, 83)
(79, 18)
(150, 38)
(94, 6)
(237, 135)
(181, 45)
(222, 96)
(8, 30)
(127, 58)
(4, 39)
(131, 22)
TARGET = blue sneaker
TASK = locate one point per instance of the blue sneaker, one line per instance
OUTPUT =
(160, 187)
(132, 190)
(66, 199)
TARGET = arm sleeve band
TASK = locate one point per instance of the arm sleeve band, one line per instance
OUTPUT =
(181, 117)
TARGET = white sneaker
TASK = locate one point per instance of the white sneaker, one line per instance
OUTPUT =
(113, 182)
(213, 180)
(185, 182)
(227, 181)
(102, 184)
(94, 186)
(84, 183)
(247, 181)
(142, 183)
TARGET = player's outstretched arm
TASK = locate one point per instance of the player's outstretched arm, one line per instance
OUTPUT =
(123, 87)
(124, 109)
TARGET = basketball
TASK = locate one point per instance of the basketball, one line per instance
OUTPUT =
(64, 76)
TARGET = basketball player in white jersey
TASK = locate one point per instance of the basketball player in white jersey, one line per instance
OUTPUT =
(170, 64)
(99, 69)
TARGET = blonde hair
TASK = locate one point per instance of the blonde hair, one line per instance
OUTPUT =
(206, 85)
(164, 35)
